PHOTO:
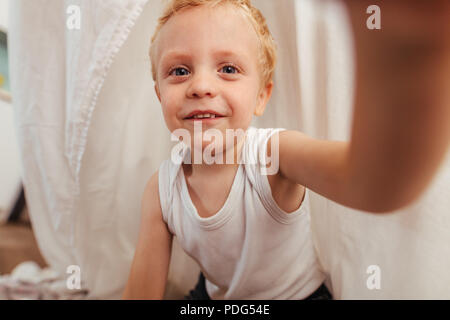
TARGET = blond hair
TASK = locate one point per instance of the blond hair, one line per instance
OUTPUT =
(267, 58)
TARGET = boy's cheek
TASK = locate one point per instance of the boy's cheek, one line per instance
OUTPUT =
(169, 100)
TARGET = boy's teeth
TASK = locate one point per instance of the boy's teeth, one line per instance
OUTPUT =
(206, 115)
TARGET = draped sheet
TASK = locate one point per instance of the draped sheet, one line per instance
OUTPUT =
(56, 77)
(91, 133)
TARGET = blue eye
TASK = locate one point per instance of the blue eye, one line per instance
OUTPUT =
(229, 69)
(179, 72)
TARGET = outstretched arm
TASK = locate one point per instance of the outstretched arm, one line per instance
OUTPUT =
(150, 265)
(401, 121)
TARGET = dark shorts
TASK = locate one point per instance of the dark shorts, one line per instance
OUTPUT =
(200, 293)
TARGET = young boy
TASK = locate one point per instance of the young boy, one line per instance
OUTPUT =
(212, 63)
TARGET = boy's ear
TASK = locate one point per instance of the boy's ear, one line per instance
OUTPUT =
(263, 98)
(157, 92)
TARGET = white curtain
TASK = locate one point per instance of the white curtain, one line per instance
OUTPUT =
(91, 133)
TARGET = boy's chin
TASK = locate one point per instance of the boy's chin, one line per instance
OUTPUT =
(211, 150)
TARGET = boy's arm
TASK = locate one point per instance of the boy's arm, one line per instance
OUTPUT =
(150, 265)
(401, 121)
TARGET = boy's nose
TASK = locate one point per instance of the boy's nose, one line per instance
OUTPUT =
(202, 85)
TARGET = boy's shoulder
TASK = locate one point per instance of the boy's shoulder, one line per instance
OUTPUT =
(152, 184)
(150, 203)
(287, 194)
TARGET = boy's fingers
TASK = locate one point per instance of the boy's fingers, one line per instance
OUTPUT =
(427, 18)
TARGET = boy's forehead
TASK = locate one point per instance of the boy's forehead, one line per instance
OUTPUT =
(223, 27)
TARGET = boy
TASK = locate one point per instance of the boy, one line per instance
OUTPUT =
(250, 232)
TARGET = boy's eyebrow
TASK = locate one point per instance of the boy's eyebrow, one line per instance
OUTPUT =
(180, 54)
(174, 54)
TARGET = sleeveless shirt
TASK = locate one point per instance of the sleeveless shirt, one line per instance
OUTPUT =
(250, 248)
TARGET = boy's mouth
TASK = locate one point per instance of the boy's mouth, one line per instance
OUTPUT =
(200, 115)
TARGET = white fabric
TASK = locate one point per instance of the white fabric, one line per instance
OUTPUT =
(10, 161)
(56, 77)
(232, 247)
(91, 133)
(29, 282)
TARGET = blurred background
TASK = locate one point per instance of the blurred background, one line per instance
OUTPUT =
(17, 242)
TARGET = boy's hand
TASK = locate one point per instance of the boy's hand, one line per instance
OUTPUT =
(408, 27)
(401, 124)
(401, 121)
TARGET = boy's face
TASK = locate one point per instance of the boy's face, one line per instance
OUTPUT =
(207, 59)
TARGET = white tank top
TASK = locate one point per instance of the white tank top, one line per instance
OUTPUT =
(251, 248)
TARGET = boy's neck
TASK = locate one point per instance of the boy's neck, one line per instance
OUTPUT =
(204, 169)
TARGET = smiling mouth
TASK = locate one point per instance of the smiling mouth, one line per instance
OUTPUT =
(203, 116)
